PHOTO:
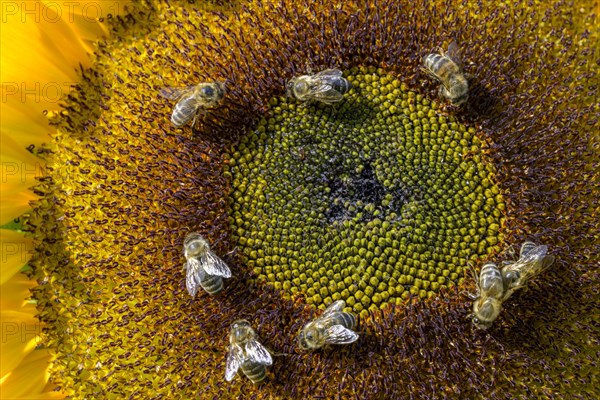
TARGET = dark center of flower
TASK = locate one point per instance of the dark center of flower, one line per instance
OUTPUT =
(370, 200)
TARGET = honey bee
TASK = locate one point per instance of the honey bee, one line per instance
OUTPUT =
(246, 352)
(326, 86)
(488, 300)
(532, 261)
(495, 285)
(192, 100)
(446, 67)
(333, 327)
(203, 267)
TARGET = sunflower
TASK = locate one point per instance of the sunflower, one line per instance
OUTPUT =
(381, 200)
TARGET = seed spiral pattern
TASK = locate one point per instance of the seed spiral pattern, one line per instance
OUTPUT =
(368, 201)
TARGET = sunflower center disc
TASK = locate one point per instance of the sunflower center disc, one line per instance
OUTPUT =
(370, 200)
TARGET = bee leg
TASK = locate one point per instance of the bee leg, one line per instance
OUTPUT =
(195, 119)
(235, 249)
(439, 50)
(511, 250)
(469, 295)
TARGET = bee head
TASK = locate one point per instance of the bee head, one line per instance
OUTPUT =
(194, 244)
(208, 91)
(213, 91)
(307, 338)
(485, 312)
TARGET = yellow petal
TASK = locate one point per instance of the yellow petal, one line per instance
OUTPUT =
(43, 43)
(15, 292)
(30, 80)
(85, 17)
(20, 168)
(20, 334)
(29, 379)
(14, 205)
(24, 125)
(16, 251)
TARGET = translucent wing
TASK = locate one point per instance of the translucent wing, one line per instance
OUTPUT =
(233, 362)
(257, 352)
(535, 267)
(546, 262)
(174, 93)
(334, 73)
(531, 252)
(336, 306)
(531, 260)
(523, 272)
(339, 334)
(453, 53)
(194, 274)
(326, 92)
(213, 265)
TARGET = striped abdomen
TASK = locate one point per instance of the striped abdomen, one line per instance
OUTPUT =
(340, 84)
(211, 283)
(441, 66)
(343, 318)
(184, 110)
(256, 372)
(455, 86)
(491, 282)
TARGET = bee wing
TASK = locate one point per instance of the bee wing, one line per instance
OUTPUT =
(339, 334)
(336, 306)
(174, 93)
(213, 265)
(233, 362)
(326, 91)
(335, 73)
(536, 267)
(532, 255)
(546, 262)
(453, 53)
(530, 248)
(526, 271)
(194, 274)
(258, 353)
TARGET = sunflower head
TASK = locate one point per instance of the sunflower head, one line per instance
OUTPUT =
(382, 200)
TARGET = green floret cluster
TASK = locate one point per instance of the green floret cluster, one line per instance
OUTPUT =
(370, 200)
